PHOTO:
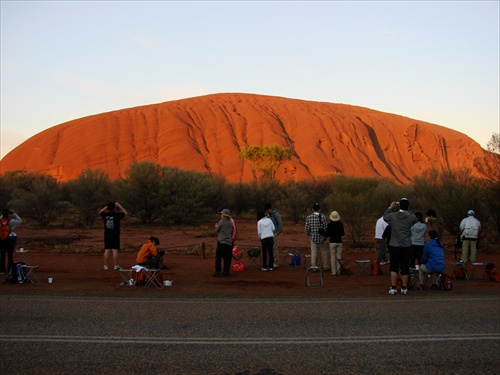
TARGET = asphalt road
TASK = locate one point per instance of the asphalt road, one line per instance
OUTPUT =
(95, 334)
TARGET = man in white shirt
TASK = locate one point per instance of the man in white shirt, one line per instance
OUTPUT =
(470, 227)
(381, 242)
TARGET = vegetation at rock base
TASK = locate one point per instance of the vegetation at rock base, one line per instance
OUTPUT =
(157, 195)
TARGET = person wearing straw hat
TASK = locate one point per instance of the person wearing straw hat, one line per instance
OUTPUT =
(335, 232)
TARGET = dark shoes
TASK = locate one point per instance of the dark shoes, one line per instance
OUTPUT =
(218, 274)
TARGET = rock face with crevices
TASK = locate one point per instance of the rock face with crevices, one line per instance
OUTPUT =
(206, 134)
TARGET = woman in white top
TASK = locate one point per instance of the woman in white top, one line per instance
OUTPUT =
(265, 231)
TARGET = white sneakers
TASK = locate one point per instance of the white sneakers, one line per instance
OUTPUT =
(116, 268)
(395, 291)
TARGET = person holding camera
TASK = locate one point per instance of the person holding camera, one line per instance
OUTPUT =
(401, 220)
(111, 216)
(8, 239)
(316, 231)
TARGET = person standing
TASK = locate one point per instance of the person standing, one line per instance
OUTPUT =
(9, 220)
(316, 231)
(335, 231)
(265, 231)
(111, 216)
(380, 227)
(470, 227)
(234, 232)
(417, 239)
(401, 222)
(432, 258)
(435, 223)
(223, 253)
(275, 216)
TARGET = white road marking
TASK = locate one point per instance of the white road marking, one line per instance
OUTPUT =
(248, 341)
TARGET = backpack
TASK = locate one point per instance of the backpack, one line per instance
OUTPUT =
(459, 273)
(17, 274)
(295, 261)
(4, 229)
(237, 253)
(238, 267)
(492, 273)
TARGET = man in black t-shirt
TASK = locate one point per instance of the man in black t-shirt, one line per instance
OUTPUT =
(111, 216)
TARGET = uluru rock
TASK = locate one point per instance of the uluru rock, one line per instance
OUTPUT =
(206, 134)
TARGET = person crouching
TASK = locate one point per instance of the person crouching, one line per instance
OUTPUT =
(148, 256)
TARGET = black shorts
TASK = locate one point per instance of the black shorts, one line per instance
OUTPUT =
(400, 259)
(112, 242)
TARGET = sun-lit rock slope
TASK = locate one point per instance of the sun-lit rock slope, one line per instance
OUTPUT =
(206, 134)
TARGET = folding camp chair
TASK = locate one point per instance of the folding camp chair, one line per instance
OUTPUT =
(362, 266)
(479, 264)
(152, 277)
(30, 275)
(22, 256)
(127, 277)
(343, 262)
(414, 279)
(254, 253)
(314, 269)
(457, 266)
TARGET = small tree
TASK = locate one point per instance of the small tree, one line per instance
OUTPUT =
(88, 193)
(40, 199)
(294, 200)
(140, 190)
(267, 158)
(450, 194)
(188, 197)
(489, 165)
(353, 199)
(5, 190)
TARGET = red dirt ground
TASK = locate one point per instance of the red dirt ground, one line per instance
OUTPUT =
(77, 267)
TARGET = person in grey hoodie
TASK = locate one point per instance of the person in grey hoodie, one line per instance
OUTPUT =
(417, 240)
(401, 220)
(223, 251)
